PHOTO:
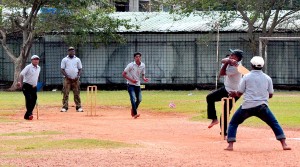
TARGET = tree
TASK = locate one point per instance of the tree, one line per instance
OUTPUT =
(75, 19)
(263, 16)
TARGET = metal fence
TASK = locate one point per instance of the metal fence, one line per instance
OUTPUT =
(170, 58)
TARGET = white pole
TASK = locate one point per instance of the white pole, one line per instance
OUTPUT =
(260, 47)
(217, 59)
(266, 59)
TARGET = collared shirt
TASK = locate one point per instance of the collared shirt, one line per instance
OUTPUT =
(256, 87)
(134, 71)
(31, 74)
(71, 66)
(232, 78)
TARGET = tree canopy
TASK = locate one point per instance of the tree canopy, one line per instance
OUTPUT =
(76, 17)
(259, 15)
(73, 19)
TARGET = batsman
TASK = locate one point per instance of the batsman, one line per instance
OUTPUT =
(232, 78)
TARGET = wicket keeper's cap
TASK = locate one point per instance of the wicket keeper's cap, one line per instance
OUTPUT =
(71, 48)
(257, 61)
(35, 57)
(237, 52)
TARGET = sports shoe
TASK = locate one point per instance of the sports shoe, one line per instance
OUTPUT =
(63, 110)
(79, 110)
(30, 117)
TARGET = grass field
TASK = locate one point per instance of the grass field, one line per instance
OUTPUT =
(285, 104)
(113, 138)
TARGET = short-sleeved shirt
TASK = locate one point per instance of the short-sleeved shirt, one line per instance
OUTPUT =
(31, 74)
(134, 71)
(256, 87)
(232, 78)
(71, 66)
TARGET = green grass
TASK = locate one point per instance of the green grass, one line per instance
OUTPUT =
(285, 104)
(43, 141)
(31, 133)
(46, 143)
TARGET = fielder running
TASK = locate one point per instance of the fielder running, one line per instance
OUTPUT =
(132, 74)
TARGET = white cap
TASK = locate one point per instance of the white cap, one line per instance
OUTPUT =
(257, 61)
(35, 57)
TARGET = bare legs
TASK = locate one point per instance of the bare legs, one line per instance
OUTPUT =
(282, 141)
(229, 147)
(284, 145)
(213, 122)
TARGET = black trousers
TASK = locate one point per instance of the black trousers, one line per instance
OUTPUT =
(213, 97)
(30, 98)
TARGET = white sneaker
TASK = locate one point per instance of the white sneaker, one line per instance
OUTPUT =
(63, 110)
(79, 110)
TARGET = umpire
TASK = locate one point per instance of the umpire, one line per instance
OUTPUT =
(28, 81)
(71, 69)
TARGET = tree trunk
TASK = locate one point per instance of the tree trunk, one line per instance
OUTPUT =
(252, 42)
(19, 65)
(21, 60)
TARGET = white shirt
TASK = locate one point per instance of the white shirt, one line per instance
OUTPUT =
(256, 87)
(232, 78)
(31, 74)
(134, 71)
(71, 66)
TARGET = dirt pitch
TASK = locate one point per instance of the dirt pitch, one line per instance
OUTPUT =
(167, 140)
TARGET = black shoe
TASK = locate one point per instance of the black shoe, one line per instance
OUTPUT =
(28, 118)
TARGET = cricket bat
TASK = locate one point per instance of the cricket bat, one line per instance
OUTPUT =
(243, 70)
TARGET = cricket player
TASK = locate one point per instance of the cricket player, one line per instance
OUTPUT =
(132, 74)
(257, 88)
(28, 81)
(232, 78)
(71, 68)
